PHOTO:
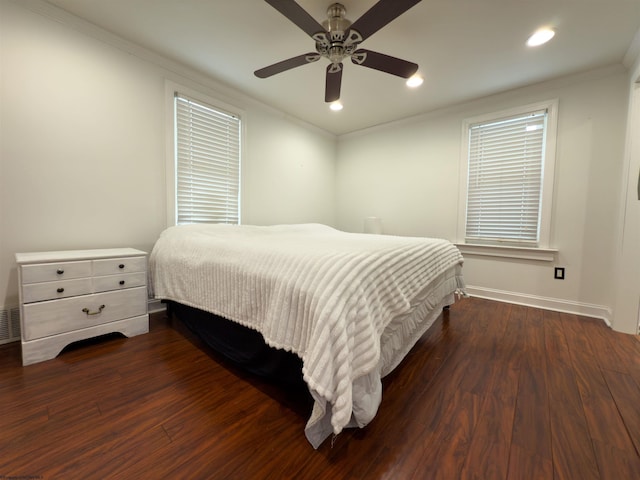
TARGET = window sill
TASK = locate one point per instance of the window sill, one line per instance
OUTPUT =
(522, 253)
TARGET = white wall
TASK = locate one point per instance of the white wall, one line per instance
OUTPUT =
(627, 300)
(288, 172)
(407, 174)
(82, 156)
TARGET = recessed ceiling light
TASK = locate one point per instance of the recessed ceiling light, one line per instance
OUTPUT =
(541, 36)
(336, 106)
(414, 81)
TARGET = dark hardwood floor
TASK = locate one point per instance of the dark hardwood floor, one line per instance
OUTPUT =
(492, 391)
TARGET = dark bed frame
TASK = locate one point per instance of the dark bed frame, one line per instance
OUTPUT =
(244, 347)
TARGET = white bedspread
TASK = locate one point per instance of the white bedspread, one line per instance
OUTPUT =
(324, 294)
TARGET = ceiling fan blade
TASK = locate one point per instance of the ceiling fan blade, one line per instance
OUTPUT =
(333, 83)
(379, 15)
(287, 65)
(384, 63)
(299, 16)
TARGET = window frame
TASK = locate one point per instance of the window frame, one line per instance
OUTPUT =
(532, 251)
(171, 88)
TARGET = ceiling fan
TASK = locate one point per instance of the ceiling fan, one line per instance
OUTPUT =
(337, 38)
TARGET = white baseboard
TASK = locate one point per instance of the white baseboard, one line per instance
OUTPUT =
(545, 303)
(156, 306)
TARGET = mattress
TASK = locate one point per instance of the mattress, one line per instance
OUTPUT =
(349, 305)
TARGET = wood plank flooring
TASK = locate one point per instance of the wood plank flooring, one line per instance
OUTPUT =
(493, 391)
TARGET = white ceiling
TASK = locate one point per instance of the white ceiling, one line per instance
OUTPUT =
(465, 49)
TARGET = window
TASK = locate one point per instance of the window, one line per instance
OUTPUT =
(205, 184)
(507, 166)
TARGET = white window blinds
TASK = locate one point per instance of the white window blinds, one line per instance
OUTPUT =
(506, 163)
(207, 163)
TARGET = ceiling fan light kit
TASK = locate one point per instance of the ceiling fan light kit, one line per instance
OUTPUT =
(337, 39)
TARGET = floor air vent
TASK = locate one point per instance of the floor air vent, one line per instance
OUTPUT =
(9, 325)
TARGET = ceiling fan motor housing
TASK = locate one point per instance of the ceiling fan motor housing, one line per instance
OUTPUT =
(336, 26)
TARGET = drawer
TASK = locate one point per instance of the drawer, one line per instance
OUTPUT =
(37, 292)
(118, 282)
(47, 272)
(114, 266)
(51, 317)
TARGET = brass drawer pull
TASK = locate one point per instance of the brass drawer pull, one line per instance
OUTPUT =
(89, 312)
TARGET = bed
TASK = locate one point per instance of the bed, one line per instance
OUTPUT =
(348, 306)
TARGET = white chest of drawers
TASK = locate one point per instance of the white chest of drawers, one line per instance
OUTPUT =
(73, 295)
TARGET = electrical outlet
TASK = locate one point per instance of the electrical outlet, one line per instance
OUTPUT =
(558, 274)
